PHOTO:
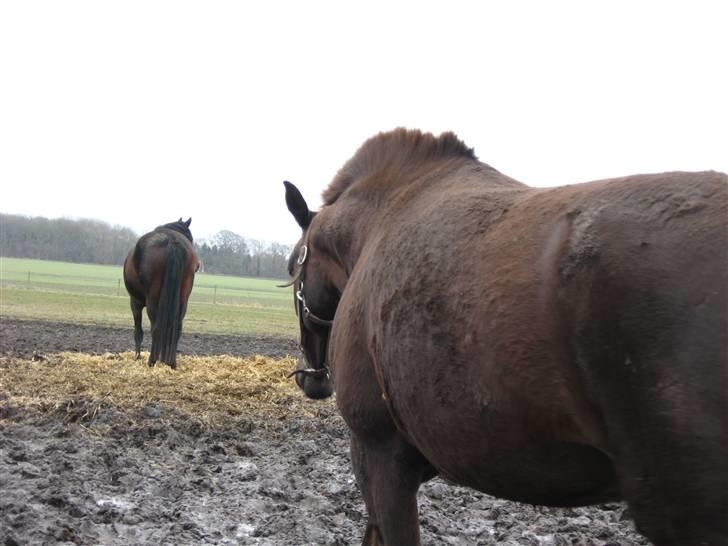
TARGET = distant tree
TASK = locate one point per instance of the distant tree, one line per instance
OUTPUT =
(224, 253)
(228, 253)
(257, 248)
(274, 261)
(87, 241)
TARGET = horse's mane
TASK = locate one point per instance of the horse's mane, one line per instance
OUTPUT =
(180, 227)
(395, 150)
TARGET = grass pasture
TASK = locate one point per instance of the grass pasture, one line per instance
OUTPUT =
(95, 294)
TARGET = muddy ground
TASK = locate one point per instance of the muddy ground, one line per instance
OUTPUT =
(24, 337)
(154, 476)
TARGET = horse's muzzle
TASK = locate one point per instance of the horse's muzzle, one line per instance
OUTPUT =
(315, 383)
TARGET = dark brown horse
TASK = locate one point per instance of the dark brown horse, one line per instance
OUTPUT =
(562, 346)
(158, 273)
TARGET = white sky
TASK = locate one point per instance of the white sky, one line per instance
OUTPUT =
(137, 113)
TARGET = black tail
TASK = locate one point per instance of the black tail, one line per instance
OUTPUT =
(169, 316)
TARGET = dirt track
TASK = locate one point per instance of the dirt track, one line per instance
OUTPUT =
(78, 476)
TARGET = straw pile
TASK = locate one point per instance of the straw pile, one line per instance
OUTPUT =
(213, 390)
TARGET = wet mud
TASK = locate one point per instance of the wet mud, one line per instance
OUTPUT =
(156, 476)
(24, 337)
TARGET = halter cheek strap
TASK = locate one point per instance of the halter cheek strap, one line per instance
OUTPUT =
(305, 312)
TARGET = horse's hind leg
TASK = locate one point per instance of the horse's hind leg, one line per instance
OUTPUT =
(154, 350)
(136, 311)
(389, 472)
(178, 335)
(673, 467)
(668, 417)
(677, 488)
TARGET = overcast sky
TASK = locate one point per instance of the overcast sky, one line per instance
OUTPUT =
(137, 113)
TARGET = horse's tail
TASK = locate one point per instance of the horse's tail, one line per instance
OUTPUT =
(169, 313)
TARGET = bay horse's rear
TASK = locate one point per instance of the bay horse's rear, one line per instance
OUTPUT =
(159, 273)
(643, 295)
(565, 346)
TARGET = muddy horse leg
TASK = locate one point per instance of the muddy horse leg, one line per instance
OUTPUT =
(677, 498)
(136, 311)
(389, 472)
(668, 432)
(178, 334)
(675, 476)
(154, 350)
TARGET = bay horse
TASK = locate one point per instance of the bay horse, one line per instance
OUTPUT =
(556, 346)
(158, 273)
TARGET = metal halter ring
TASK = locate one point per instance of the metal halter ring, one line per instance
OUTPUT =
(302, 255)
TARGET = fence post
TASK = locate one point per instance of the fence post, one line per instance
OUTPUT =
(214, 294)
(27, 284)
(118, 286)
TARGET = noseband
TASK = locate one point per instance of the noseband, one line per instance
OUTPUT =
(303, 311)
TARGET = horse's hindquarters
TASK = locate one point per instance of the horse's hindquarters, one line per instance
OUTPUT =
(649, 322)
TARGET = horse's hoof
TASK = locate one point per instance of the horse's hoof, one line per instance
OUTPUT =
(371, 536)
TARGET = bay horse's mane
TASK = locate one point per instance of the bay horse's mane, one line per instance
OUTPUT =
(180, 227)
(394, 151)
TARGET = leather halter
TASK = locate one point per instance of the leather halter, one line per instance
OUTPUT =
(303, 311)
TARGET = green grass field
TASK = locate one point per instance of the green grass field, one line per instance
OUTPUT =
(95, 294)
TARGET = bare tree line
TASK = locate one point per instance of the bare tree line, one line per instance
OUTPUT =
(82, 241)
(93, 241)
(231, 254)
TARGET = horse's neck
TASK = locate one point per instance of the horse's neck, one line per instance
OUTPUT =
(362, 225)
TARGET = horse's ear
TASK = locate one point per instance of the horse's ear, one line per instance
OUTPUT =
(297, 205)
(188, 222)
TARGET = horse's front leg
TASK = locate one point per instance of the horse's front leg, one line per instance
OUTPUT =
(389, 472)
